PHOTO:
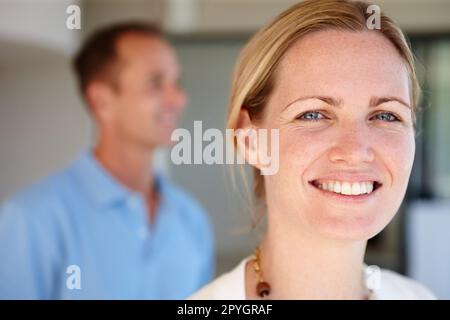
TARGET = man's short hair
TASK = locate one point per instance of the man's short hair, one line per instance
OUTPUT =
(97, 56)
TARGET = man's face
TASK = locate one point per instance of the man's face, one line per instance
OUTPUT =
(147, 102)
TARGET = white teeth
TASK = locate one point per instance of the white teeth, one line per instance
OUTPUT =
(337, 188)
(356, 188)
(347, 188)
(364, 187)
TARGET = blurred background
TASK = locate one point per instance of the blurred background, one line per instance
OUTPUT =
(44, 125)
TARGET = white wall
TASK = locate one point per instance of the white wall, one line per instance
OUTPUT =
(41, 23)
(43, 124)
(98, 13)
(234, 16)
(42, 121)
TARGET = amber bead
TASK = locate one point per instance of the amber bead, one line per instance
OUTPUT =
(263, 289)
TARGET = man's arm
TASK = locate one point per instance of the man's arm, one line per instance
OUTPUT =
(26, 250)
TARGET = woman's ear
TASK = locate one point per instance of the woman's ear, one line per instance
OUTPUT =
(258, 146)
(246, 138)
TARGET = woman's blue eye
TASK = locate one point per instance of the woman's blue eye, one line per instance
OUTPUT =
(315, 116)
(311, 116)
(387, 116)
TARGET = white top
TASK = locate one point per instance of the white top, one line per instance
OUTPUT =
(392, 286)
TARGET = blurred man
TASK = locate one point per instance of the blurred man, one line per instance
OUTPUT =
(108, 227)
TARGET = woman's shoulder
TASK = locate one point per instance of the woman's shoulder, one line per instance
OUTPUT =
(394, 286)
(229, 286)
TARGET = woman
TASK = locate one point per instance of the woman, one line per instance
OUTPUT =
(343, 97)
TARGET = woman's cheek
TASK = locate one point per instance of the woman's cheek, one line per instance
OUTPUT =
(298, 152)
(398, 150)
(294, 150)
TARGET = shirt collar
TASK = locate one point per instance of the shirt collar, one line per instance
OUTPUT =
(105, 190)
(99, 184)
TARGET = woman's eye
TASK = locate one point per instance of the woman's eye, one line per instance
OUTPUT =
(311, 116)
(387, 116)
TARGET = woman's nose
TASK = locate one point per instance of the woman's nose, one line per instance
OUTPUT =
(352, 145)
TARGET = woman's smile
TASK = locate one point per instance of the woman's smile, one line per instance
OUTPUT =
(347, 191)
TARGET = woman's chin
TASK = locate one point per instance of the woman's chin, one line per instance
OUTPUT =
(350, 229)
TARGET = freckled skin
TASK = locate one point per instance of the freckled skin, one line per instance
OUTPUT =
(351, 67)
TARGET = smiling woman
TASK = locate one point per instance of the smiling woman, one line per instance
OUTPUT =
(343, 98)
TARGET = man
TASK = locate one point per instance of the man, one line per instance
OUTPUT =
(108, 227)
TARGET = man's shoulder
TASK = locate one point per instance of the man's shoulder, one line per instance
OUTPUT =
(396, 286)
(41, 195)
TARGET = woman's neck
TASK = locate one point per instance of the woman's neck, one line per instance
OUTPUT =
(300, 266)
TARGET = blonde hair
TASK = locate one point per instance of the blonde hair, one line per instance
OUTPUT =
(253, 78)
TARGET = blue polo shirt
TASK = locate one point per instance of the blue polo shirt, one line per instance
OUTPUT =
(80, 234)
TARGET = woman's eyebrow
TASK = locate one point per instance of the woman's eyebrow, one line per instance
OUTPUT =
(328, 100)
(376, 101)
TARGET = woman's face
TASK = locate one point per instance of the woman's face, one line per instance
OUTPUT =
(341, 101)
